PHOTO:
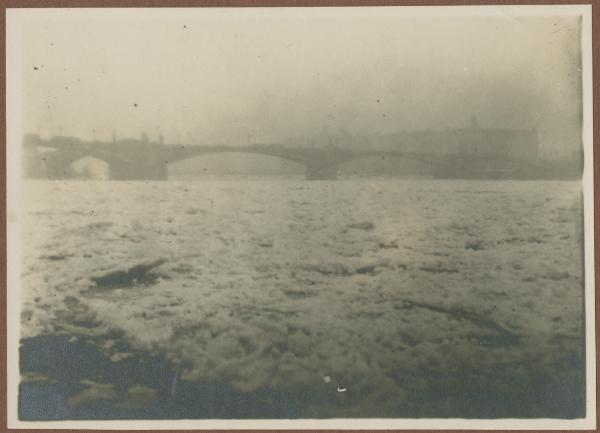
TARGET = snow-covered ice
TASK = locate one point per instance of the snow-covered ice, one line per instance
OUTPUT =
(400, 291)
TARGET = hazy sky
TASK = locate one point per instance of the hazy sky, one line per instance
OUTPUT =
(261, 75)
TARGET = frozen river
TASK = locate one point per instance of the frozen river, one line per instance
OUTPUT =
(288, 298)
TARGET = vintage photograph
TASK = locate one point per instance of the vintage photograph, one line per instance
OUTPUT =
(288, 214)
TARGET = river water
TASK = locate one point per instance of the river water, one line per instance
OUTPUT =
(284, 298)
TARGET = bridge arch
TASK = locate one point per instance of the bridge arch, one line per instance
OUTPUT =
(82, 163)
(233, 163)
(90, 168)
(317, 163)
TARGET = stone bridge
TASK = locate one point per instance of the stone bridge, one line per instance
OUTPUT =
(139, 160)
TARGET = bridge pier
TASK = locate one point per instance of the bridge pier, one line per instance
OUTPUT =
(321, 172)
(56, 168)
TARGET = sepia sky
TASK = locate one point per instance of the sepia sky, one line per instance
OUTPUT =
(264, 75)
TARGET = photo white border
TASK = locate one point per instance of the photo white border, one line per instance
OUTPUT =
(14, 19)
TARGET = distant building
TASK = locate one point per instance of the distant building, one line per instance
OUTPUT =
(497, 143)
(474, 141)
